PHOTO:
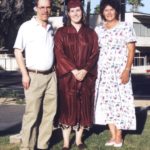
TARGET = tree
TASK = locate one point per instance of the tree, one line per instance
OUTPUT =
(57, 7)
(135, 4)
(12, 14)
(97, 9)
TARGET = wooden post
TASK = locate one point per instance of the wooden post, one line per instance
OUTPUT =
(88, 12)
(123, 9)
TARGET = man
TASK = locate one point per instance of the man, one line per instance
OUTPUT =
(38, 79)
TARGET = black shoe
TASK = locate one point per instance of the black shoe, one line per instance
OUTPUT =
(65, 148)
(82, 146)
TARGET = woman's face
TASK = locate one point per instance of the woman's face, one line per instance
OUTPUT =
(109, 13)
(75, 15)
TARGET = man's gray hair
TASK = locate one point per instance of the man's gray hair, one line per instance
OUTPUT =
(36, 2)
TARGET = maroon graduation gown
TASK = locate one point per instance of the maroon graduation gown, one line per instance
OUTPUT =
(76, 50)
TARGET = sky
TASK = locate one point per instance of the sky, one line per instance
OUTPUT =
(144, 9)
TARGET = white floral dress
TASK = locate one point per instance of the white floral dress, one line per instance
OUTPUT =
(113, 100)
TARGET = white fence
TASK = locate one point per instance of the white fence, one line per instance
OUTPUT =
(8, 62)
(140, 65)
(140, 61)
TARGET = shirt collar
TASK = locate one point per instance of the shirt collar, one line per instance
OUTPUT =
(33, 19)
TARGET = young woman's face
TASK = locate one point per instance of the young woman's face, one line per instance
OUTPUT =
(75, 14)
(109, 13)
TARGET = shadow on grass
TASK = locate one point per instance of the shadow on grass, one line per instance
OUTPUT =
(56, 138)
(57, 135)
(96, 129)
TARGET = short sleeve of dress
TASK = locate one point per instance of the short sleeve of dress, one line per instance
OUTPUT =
(97, 30)
(130, 35)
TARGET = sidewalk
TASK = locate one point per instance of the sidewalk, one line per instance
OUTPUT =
(10, 119)
(142, 103)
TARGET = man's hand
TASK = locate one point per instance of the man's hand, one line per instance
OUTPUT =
(26, 81)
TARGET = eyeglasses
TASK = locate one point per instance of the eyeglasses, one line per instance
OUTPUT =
(43, 8)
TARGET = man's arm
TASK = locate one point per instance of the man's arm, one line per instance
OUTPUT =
(21, 64)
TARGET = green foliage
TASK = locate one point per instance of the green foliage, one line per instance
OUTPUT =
(12, 14)
(10, 94)
(135, 4)
(57, 7)
(97, 9)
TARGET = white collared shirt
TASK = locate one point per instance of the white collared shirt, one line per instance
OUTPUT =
(38, 44)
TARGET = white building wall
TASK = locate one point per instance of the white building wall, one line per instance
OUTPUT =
(8, 62)
(143, 41)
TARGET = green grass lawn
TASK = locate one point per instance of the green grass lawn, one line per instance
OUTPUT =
(97, 136)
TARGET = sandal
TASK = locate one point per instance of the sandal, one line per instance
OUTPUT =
(110, 143)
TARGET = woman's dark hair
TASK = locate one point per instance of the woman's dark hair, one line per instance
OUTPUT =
(113, 3)
(83, 20)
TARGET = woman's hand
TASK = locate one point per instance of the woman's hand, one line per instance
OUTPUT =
(125, 76)
(79, 74)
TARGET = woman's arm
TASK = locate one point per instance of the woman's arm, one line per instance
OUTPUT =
(126, 72)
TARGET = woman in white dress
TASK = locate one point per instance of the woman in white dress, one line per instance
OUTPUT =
(114, 97)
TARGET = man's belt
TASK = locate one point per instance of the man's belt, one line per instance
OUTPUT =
(45, 72)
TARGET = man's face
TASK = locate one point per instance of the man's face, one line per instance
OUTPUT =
(43, 9)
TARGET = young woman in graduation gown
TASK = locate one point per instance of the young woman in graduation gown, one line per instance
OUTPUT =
(76, 51)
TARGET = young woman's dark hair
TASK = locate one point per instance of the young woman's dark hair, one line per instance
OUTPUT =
(113, 3)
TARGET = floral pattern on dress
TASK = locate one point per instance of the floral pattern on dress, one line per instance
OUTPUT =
(113, 100)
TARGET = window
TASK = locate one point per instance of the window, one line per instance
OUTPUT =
(142, 29)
